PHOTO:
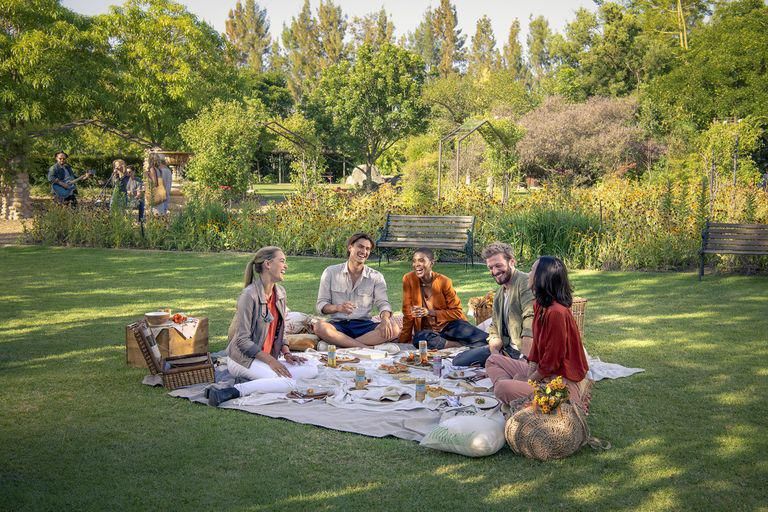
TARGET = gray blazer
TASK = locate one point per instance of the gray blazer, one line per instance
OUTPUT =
(248, 328)
(519, 313)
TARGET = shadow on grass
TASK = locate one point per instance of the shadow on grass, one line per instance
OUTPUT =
(79, 431)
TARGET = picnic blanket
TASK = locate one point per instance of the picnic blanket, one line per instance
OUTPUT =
(385, 408)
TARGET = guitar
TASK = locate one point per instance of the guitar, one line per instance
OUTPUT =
(63, 192)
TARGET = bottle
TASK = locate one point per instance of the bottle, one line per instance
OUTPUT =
(332, 356)
(360, 380)
(421, 389)
(437, 366)
(424, 358)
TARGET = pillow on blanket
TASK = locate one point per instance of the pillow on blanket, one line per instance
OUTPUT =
(300, 342)
(473, 436)
(296, 323)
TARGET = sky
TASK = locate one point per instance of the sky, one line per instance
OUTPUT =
(406, 14)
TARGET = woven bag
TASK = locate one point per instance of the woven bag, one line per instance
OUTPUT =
(541, 436)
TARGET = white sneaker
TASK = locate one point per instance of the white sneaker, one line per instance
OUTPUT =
(389, 348)
(322, 346)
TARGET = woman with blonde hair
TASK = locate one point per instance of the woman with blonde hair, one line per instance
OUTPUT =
(256, 351)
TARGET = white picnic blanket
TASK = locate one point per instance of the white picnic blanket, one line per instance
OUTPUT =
(385, 408)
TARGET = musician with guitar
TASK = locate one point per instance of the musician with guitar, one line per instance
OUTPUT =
(63, 180)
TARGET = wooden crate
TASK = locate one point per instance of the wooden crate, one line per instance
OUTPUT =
(170, 342)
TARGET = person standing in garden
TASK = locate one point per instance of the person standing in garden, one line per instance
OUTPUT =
(348, 293)
(62, 180)
(510, 332)
(159, 173)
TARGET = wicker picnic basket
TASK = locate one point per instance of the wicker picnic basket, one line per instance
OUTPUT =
(482, 307)
(176, 371)
(541, 436)
(579, 308)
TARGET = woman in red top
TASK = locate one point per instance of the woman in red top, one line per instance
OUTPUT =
(557, 348)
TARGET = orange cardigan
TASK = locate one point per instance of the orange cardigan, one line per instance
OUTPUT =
(445, 303)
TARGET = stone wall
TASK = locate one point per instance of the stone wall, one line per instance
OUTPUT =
(15, 202)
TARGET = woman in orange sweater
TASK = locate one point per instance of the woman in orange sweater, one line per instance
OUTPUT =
(432, 310)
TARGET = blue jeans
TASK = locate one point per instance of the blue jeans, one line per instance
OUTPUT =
(478, 356)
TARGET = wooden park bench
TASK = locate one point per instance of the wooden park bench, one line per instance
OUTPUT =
(742, 239)
(449, 232)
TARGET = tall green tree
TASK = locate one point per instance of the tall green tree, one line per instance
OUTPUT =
(167, 65)
(373, 29)
(450, 41)
(301, 46)
(423, 42)
(331, 29)
(513, 52)
(484, 56)
(372, 103)
(539, 52)
(247, 28)
(723, 75)
(50, 73)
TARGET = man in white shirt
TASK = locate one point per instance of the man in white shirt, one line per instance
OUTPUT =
(348, 293)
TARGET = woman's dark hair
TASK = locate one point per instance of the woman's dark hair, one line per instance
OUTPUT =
(426, 252)
(550, 282)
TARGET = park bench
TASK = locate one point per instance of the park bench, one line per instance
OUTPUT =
(449, 232)
(741, 239)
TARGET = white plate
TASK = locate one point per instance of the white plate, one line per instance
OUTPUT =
(489, 402)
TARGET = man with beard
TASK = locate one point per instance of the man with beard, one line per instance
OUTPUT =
(510, 332)
(348, 293)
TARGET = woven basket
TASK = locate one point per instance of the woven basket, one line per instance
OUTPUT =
(547, 436)
(183, 375)
(482, 314)
(180, 377)
(579, 308)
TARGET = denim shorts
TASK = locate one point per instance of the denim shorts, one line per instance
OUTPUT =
(354, 328)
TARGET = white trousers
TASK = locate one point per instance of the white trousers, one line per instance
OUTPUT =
(263, 379)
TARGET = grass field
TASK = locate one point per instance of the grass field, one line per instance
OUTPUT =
(79, 432)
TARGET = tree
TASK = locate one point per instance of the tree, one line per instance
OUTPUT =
(373, 29)
(40, 42)
(423, 42)
(539, 40)
(247, 28)
(449, 39)
(513, 53)
(331, 29)
(301, 51)
(226, 138)
(167, 65)
(307, 162)
(484, 57)
(721, 76)
(589, 139)
(372, 103)
(270, 88)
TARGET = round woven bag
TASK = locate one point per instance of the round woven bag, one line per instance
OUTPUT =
(547, 436)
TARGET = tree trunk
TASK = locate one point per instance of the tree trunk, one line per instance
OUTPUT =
(16, 203)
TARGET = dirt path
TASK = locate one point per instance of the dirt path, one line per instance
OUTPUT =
(10, 230)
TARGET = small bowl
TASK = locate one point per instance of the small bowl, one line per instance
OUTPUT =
(157, 317)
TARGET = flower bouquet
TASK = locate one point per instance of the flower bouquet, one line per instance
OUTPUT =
(547, 396)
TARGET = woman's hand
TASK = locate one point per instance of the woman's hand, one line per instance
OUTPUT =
(279, 368)
(292, 359)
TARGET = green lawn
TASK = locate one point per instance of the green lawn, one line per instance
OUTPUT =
(79, 432)
(278, 191)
